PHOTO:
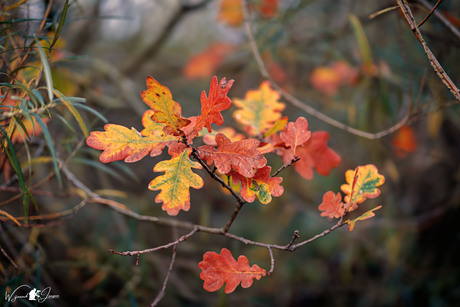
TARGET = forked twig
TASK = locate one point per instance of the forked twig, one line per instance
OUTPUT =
(165, 282)
(433, 61)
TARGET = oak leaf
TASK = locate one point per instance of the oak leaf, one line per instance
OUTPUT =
(259, 109)
(231, 12)
(261, 185)
(332, 205)
(177, 180)
(150, 126)
(166, 111)
(242, 156)
(205, 63)
(365, 185)
(366, 215)
(404, 141)
(229, 132)
(295, 134)
(118, 143)
(218, 269)
(314, 153)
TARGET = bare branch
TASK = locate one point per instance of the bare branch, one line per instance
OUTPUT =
(443, 19)
(430, 13)
(433, 61)
(165, 282)
(272, 262)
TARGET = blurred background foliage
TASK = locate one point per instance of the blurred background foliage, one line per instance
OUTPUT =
(67, 66)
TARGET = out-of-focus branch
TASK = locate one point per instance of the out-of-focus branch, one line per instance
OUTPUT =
(151, 50)
(303, 105)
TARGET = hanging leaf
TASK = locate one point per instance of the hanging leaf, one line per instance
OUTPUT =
(242, 156)
(177, 180)
(366, 215)
(296, 134)
(259, 109)
(404, 141)
(332, 205)
(120, 143)
(166, 111)
(220, 269)
(261, 185)
(368, 179)
(212, 106)
(314, 153)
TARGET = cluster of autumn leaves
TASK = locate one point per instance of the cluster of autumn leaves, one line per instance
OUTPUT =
(238, 158)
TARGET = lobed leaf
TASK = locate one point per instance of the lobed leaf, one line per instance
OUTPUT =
(261, 185)
(296, 134)
(332, 205)
(177, 180)
(314, 153)
(220, 269)
(366, 215)
(242, 156)
(368, 179)
(166, 111)
(212, 106)
(119, 142)
(259, 109)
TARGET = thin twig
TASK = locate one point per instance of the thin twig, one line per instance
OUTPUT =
(295, 236)
(285, 166)
(433, 61)
(430, 13)
(302, 105)
(443, 19)
(272, 262)
(9, 259)
(150, 250)
(165, 282)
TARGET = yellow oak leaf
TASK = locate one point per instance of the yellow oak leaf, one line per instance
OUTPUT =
(166, 111)
(118, 143)
(365, 185)
(177, 180)
(366, 215)
(259, 109)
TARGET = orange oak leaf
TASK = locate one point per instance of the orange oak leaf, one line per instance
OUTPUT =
(296, 134)
(177, 180)
(242, 156)
(220, 269)
(314, 153)
(332, 205)
(364, 186)
(328, 80)
(366, 215)
(404, 141)
(229, 132)
(231, 12)
(150, 126)
(259, 109)
(205, 63)
(166, 111)
(261, 185)
(118, 143)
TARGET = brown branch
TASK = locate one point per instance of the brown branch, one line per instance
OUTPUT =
(442, 19)
(432, 59)
(165, 282)
(430, 13)
(285, 166)
(150, 250)
(272, 262)
(302, 105)
(9, 258)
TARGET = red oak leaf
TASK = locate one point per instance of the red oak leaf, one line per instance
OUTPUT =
(296, 134)
(242, 156)
(212, 106)
(332, 205)
(261, 185)
(314, 153)
(220, 269)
